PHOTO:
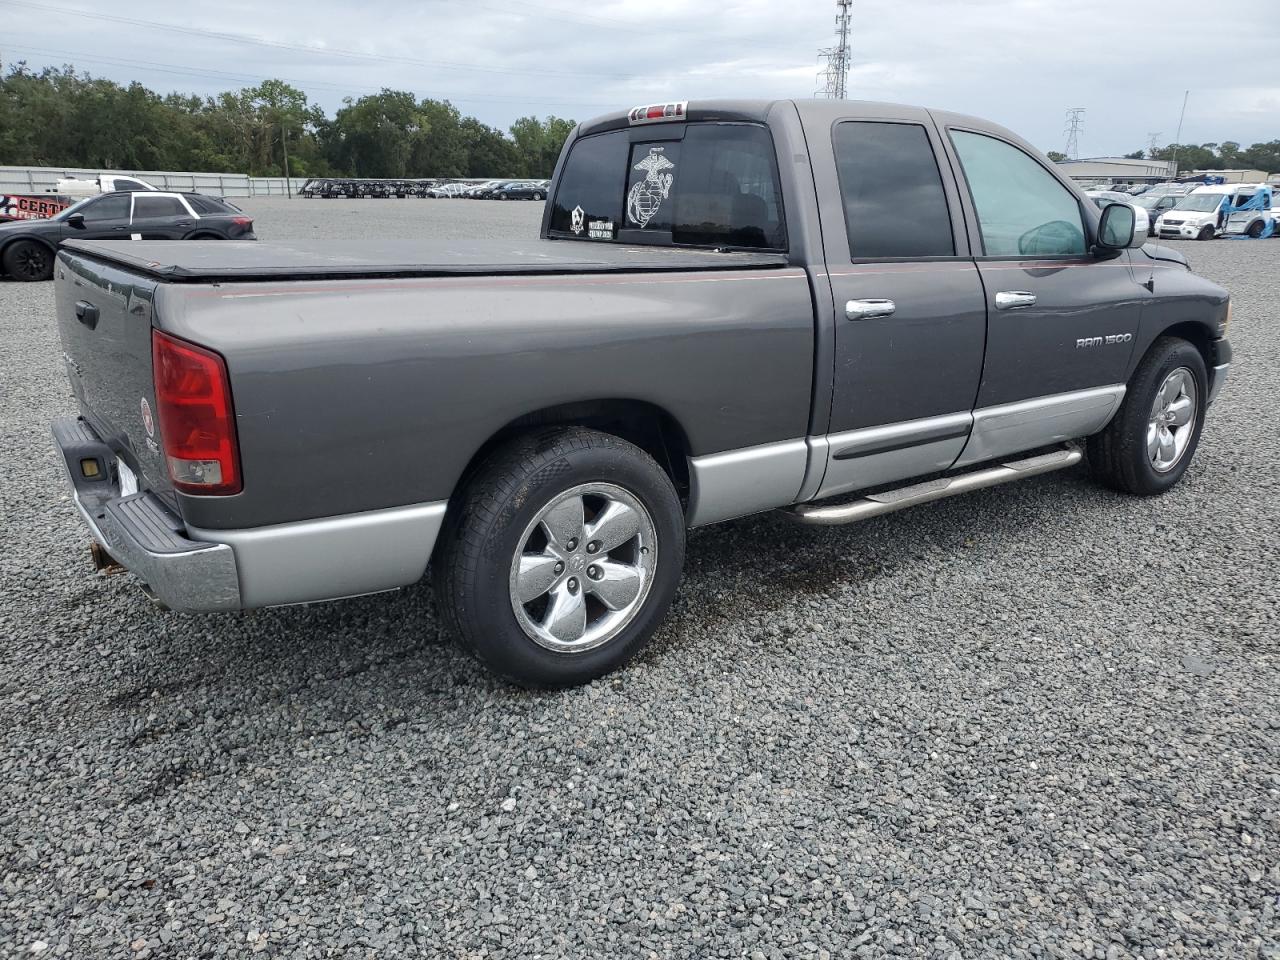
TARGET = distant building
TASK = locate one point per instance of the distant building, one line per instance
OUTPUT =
(1235, 176)
(1119, 170)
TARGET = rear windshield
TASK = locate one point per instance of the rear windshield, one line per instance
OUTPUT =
(204, 204)
(705, 184)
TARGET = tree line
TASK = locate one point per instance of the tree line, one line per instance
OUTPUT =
(1227, 155)
(59, 117)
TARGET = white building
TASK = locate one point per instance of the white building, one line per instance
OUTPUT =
(1119, 169)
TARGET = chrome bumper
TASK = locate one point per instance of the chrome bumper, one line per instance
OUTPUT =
(142, 534)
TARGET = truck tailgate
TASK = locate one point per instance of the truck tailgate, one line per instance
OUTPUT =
(104, 322)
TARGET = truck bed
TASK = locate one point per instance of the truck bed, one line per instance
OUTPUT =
(213, 261)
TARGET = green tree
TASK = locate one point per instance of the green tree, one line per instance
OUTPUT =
(538, 144)
(1136, 155)
(1056, 156)
(1263, 156)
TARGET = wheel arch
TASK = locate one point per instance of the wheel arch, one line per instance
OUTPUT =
(647, 425)
(1199, 335)
(10, 241)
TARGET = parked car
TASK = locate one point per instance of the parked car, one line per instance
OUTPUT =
(1155, 204)
(1142, 222)
(106, 183)
(519, 190)
(27, 247)
(706, 329)
(1213, 211)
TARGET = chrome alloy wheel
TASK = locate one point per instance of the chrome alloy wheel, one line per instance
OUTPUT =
(1173, 420)
(584, 567)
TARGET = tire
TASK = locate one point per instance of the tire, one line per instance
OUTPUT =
(499, 519)
(537, 195)
(1121, 456)
(1206, 233)
(1255, 229)
(28, 260)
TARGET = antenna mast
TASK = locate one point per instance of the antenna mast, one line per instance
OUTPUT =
(835, 78)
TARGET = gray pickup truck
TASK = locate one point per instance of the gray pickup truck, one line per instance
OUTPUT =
(836, 309)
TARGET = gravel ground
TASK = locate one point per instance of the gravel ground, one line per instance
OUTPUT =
(1038, 721)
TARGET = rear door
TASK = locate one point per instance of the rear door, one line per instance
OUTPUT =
(1060, 321)
(160, 216)
(910, 315)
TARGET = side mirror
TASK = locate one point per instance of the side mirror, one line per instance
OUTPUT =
(1115, 232)
(76, 220)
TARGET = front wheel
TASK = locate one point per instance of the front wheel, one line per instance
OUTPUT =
(536, 195)
(1150, 442)
(1206, 233)
(562, 557)
(28, 260)
(1255, 229)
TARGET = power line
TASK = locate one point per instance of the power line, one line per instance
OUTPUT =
(1075, 123)
(835, 77)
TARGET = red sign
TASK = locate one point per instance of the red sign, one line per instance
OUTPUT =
(31, 208)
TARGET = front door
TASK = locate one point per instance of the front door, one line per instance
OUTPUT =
(105, 218)
(910, 315)
(1061, 321)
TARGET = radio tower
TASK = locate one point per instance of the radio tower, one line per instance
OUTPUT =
(835, 77)
(1075, 123)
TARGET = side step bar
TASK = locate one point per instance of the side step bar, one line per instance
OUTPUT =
(893, 500)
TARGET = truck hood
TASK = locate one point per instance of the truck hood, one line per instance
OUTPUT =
(239, 261)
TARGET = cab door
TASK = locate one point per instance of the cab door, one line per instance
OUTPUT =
(909, 311)
(1061, 321)
(160, 217)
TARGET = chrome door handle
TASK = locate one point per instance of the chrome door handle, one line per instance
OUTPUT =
(869, 309)
(1010, 299)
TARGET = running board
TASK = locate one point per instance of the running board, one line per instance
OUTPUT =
(893, 500)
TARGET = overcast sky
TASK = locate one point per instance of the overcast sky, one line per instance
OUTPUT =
(1018, 62)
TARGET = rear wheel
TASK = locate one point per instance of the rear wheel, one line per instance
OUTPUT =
(1255, 229)
(562, 557)
(1150, 442)
(28, 260)
(537, 195)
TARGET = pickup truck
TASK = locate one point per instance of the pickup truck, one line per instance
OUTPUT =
(733, 307)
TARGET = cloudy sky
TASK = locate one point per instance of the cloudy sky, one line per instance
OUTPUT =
(1022, 63)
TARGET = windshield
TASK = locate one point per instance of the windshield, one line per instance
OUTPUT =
(1201, 203)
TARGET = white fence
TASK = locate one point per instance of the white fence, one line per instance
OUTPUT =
(38, 180)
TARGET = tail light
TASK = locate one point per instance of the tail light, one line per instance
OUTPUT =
(244, 223)
(197, 421)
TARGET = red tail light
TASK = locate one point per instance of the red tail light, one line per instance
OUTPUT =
(244, 223)
(197, 421)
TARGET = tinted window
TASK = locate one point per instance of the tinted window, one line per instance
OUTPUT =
(894, 204)
(124, 183)
(157, 207)
(111, 207)
(207, 204)
(1022, 209)
(718, 186)
(592, 181)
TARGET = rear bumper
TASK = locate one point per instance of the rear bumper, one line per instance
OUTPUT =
(205, 570)
(142, 534)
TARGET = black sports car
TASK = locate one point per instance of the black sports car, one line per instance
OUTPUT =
(27, 247)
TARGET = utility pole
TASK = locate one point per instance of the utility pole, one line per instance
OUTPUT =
(835, 78)
(284, 145)
(1075, 123)
(1152, 140)
(1177, 140)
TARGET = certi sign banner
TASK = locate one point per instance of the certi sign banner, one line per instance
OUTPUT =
(14, 207)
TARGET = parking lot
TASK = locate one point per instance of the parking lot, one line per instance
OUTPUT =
(1041, 720)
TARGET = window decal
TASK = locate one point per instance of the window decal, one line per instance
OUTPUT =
(575, 220)
(645, 196)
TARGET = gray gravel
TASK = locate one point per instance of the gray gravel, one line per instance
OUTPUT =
(1039, 721)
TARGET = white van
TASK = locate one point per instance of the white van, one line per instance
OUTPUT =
(1215, 211)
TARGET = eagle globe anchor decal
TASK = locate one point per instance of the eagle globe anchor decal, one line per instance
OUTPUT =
(645, 196)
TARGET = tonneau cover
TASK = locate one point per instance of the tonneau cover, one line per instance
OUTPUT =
(212, 261)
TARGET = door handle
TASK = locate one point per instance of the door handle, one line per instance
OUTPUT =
(869, 309)
(1012, 299)
(87, 313)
